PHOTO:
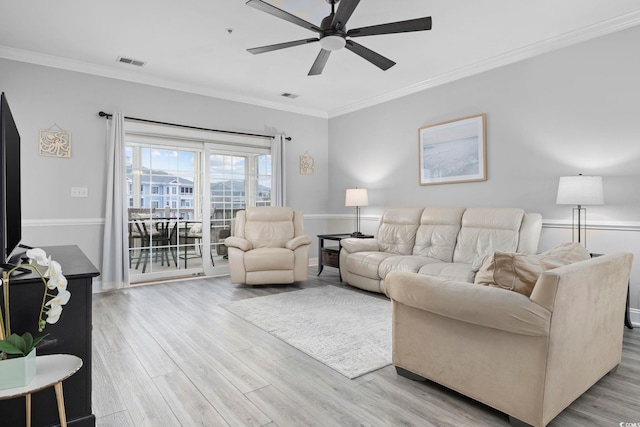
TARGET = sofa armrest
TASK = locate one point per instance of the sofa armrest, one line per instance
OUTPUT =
(238, 242)
(481, 305)
(353, 244)
(298, 241)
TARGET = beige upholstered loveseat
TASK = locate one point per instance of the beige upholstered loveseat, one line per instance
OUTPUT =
(438, 241)
(268, 247)
(527, 356)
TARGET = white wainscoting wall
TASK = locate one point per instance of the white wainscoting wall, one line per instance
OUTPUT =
(602, 237)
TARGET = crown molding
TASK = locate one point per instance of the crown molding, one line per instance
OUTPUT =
(125, 75)
(564, 40)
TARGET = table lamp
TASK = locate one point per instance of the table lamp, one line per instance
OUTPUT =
(580, 190)
(356, 197)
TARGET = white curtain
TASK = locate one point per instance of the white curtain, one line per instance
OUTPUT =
(115, 251)
(278, 183)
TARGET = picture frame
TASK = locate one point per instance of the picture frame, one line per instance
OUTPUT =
(453, 151)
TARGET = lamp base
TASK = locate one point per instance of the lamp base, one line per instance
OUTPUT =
(356, 234)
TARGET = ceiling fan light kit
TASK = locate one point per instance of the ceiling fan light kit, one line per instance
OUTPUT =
(332, 33)
(332, 42)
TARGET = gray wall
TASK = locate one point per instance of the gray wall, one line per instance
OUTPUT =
(571, 111)
(41, 97)
(566, 112)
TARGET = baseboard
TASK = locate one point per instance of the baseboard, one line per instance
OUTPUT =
(634, 314)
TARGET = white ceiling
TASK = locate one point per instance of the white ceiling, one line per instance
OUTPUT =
(186, 44)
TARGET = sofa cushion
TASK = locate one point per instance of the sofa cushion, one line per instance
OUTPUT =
(265, 259)
(438, 231)
(519, 272)
(366, 263)
(269, 226)
(487, 230)
(409, 263)
(449, 270)
(397, 230)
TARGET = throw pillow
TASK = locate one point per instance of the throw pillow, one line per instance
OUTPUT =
(519, 272)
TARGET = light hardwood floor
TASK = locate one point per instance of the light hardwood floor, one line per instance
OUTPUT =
(169, 355)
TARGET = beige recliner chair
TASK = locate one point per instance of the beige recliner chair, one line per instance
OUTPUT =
(268, 247)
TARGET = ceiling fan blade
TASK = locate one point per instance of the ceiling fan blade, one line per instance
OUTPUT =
(319, 63)
(345, 10)
(419, 24)
(371, 56)
(279, 13)
(263, 49)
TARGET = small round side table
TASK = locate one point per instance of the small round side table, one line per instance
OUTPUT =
(50, 372)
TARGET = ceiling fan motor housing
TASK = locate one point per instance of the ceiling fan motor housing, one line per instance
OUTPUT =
(331, 38)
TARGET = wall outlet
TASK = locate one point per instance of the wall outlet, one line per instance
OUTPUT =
(79, 192)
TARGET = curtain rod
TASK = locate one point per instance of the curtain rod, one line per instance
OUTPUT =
(108, 116)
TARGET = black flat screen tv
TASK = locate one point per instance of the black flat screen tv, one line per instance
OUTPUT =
(10, 201)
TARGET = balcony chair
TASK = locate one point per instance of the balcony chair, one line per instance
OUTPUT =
(158, 235)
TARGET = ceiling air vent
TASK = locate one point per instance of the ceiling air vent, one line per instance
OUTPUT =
(289, 95)
(130, 61)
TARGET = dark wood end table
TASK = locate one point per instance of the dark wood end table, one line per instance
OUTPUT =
(330, 255)
(627, 317)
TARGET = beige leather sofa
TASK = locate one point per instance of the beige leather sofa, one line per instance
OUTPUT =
(447, 242)
(527, 356)
(268, 247)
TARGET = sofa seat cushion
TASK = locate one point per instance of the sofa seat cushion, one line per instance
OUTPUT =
(366, 263)
(408, 263)
(486, 230)
(449, 270)
(519, 272)
(262, 259)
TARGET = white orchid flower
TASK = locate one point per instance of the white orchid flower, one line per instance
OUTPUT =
(55, 269)
(54, 314)
(57, 282)
(39, 256)
(59, 300)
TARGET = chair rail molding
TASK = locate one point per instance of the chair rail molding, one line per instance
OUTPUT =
(62, 222)
(546, 223)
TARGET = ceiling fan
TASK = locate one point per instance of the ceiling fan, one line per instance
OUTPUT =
(332, 33)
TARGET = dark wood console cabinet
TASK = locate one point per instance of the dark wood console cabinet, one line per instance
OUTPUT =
(70, 335)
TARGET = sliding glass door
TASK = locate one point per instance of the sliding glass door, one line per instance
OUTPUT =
(170, 184)
(164, 191)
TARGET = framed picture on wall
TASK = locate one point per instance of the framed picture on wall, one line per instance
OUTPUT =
(453, 151)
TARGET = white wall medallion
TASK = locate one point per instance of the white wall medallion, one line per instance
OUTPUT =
(306, 164)
(55, 142)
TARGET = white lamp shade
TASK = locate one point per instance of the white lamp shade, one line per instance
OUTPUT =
(356, 197)
(580, 190)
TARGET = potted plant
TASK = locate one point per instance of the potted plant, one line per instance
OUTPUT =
(18, 351)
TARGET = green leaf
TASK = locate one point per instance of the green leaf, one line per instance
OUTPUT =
(20, 345)
(18, 342)
(28, 342)
(37, 340)
(7, 347)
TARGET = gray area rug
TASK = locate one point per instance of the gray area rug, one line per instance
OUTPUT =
(346, 330)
